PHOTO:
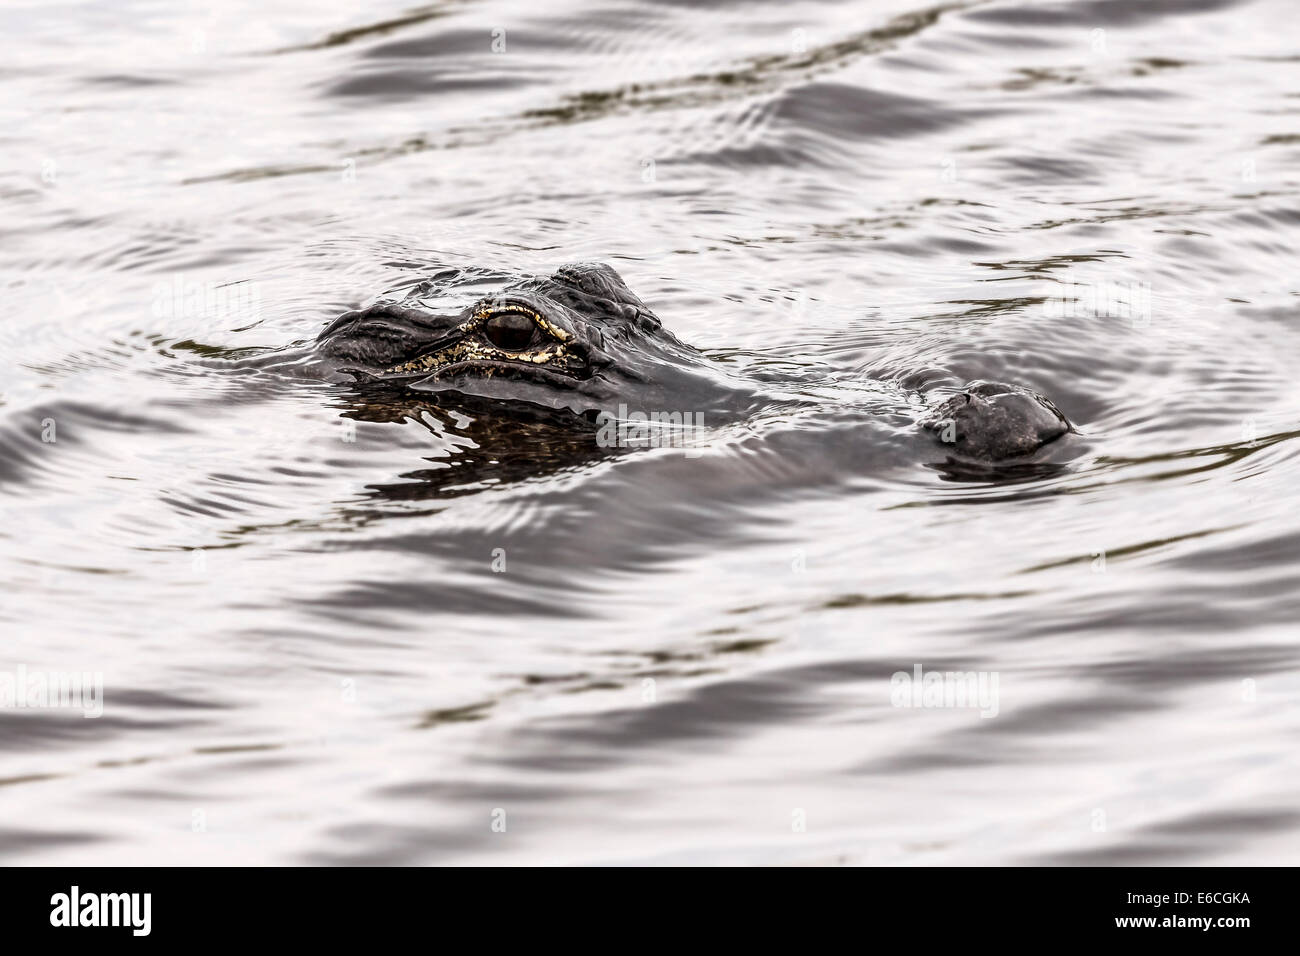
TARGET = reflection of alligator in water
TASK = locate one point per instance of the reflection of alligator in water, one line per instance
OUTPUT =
(474, 453)
(579, 344)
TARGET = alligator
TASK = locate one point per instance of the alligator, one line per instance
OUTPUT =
(580, 344)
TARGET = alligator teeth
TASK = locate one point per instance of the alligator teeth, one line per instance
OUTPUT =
(468, 351)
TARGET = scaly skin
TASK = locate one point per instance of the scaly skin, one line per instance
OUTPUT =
(580, 342)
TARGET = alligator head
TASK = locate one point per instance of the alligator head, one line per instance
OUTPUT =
(578, 340)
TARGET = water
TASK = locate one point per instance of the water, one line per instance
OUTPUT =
(340, 634)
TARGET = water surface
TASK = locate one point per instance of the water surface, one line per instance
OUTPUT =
(339, 633)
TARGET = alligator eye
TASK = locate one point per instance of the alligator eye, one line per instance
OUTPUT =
(510, 331)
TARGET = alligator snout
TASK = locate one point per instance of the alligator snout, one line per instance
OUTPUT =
(993, 420)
